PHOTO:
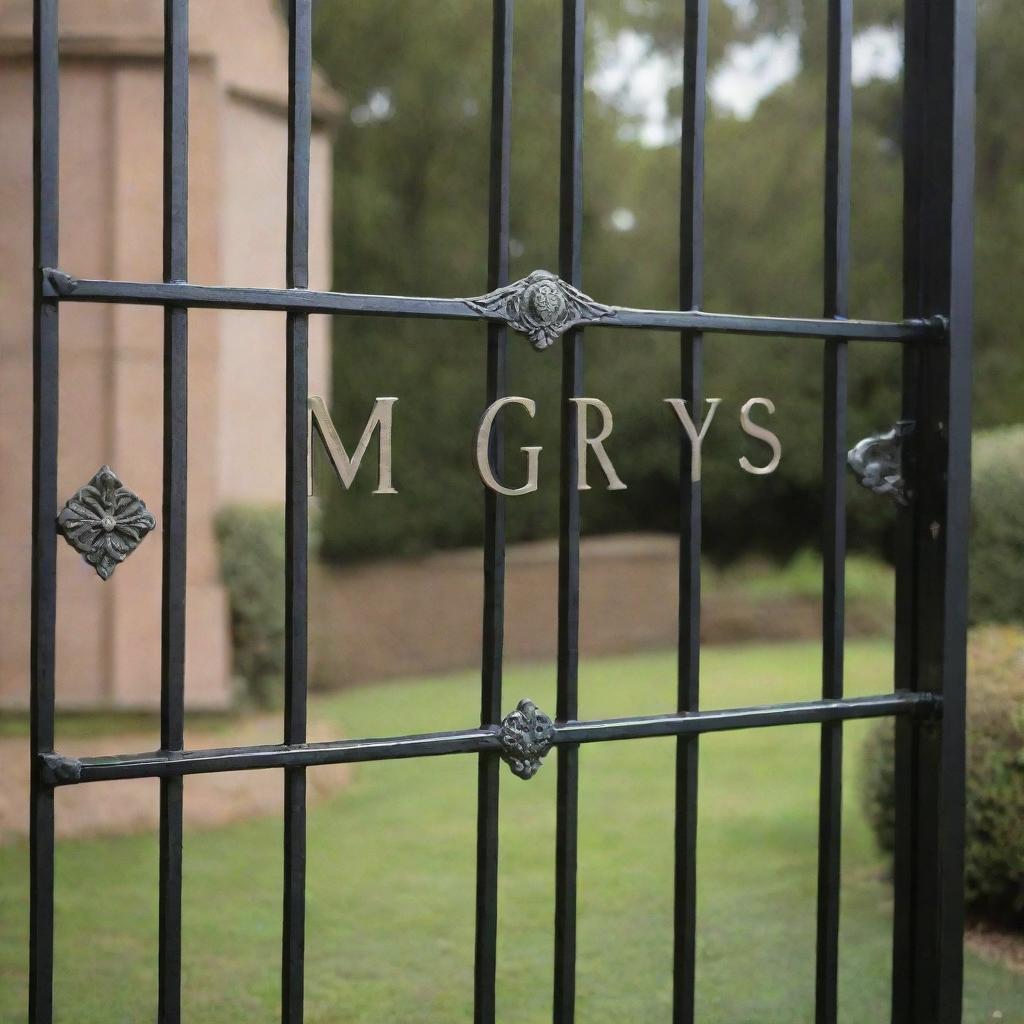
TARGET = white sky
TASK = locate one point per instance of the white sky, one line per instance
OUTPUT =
(637, 79)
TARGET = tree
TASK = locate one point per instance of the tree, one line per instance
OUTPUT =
(410, 203)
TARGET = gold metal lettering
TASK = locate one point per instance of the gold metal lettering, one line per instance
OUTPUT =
(319, 418)
(597, 443)
(762, 434)
(696, 439)
(483, 437)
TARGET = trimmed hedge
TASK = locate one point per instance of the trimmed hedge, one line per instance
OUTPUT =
(994, 855)
(997, 530)
(252, 566)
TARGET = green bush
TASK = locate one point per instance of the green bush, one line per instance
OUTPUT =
(252, 567)
(878, 782)
(997, 531)
(994, 854)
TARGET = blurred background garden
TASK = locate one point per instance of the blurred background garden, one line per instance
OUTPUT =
(395, 594)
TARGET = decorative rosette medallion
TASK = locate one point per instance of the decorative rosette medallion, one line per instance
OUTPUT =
(526, 737)
(105, 522)
(541, 306)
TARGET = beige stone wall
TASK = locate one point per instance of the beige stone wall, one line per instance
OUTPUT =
(111, 356)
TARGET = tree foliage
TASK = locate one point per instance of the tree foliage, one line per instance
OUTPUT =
(410, 217)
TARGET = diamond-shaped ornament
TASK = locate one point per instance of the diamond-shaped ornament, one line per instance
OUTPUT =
(105, 521)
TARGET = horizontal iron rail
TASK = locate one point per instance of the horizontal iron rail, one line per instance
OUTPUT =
(64, 287)
(60, 770)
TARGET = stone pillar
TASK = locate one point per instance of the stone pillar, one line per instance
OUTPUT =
(108, 633)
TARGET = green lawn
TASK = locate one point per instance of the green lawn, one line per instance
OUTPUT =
(391, 866)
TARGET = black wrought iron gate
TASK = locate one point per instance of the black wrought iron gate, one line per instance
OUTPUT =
(928, 702)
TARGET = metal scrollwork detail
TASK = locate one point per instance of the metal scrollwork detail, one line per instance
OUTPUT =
(105, 521)
(526, 737)
(541, 306)
(878, 463)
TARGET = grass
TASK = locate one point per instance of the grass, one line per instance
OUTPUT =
(82, 724)
(867, 578)
(391, 873)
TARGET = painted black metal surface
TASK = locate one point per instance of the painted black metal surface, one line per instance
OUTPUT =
(928, 703)
(493, 624)
(58, 769)
(62, 286)
(293, 931)
(175, 504)
(836, 253)
(570, 268)
(931, 573)
(45, 399)
(691, 388)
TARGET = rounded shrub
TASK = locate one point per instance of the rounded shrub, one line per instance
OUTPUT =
(878, 783)
(997, 530)
(994, 853)
(252, 564)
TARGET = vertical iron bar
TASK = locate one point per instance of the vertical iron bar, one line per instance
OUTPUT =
(839, 115)
(300, 76)
(488, 776)
(172, 616)
(569, 261)
(932, 572)
(905, 754)
(691, 344)
(45, 365)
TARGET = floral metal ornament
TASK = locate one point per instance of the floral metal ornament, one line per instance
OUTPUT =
(878, 463)
(526, 737)
(105, 522)
(541, 306)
